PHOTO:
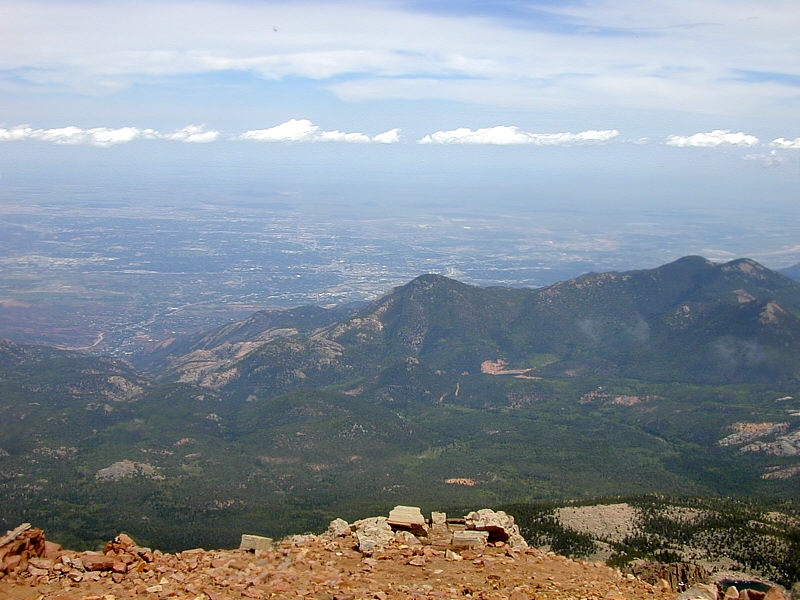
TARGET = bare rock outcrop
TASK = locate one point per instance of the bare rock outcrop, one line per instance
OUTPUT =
(501, 527)
(373, 533)
(22, 546)
(680, 575)
(127, 468)
(338, 528)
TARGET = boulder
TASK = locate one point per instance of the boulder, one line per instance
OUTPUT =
(407, 538)
(700, 591)
(122, 543)
(498, 524)
(469, 539)
(731, 593)
(338, 528)
(775, 594)
(95, 561)
(51, 549)
(438, 518)
(373, 533)
(410, 518)
(255, 543)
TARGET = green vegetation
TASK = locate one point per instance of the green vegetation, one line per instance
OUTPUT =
(310, 414)
(756, 535)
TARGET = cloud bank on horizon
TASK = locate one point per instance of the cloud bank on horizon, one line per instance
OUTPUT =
(728, 63)
(505, 135)
(105, 136)
(304, 131)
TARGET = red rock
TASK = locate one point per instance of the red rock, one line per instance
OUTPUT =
(42, 563)
(10, 563)
(52, 550)
(417, 561)
(94, 561)
(146, 554)
(36, 572)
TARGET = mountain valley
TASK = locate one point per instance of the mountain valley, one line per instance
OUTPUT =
(680, 380)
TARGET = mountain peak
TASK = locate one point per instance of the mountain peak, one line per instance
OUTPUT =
(745, 266)
(425, 285)
(691, 260)
(429, 279)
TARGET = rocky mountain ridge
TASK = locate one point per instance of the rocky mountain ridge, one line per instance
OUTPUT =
(736, 321)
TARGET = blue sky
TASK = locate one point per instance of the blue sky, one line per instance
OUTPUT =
(653, 98)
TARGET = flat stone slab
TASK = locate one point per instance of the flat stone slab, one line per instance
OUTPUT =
(256, 543)
(408, 517)
(470, 539)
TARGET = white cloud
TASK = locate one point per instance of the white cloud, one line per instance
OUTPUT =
(303, 130)
(786, 144)
(387, 137)
(193, 134)
(706, 57)
(718, 137)
(71, 135)
(503, 135)
(20, 132)
(103, 136)
(293, 130)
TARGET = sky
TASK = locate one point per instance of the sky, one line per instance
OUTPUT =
(667, 103)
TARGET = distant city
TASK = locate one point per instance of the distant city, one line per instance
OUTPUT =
(117, 276)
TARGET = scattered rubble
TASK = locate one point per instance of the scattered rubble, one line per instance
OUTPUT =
(378, 558)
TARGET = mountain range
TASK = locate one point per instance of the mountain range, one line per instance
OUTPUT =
(683, 379)
(690, 320)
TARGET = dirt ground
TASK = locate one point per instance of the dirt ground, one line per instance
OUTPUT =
(331, 569)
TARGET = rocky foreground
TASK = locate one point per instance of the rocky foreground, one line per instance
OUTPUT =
(401, 556)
